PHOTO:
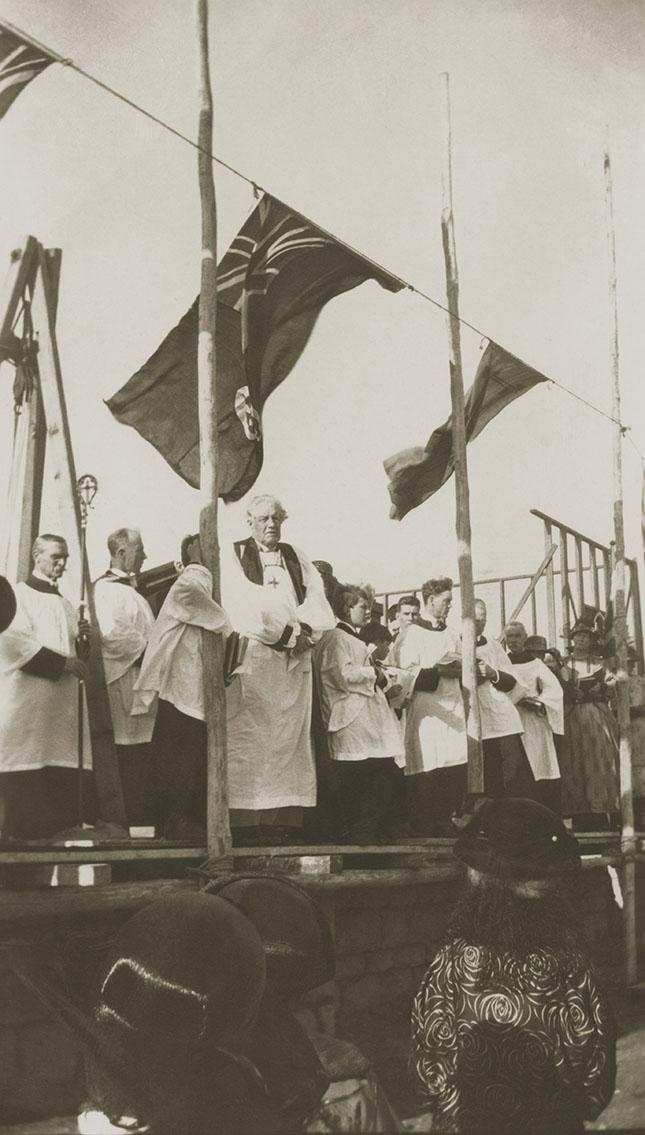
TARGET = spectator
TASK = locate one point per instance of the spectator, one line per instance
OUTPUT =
(510, 1031)
(393, 624)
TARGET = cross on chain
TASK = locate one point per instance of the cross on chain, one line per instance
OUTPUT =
(273, 582)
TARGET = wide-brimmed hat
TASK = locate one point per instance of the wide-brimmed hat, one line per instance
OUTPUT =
(183, 967)
(295, 934)
(518, 839)
(7, 603)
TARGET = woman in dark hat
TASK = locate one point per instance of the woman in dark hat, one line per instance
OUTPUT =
(510, 1032)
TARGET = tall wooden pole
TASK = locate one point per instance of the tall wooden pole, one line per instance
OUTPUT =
(218, 827)
(628, 842)
(469, 678)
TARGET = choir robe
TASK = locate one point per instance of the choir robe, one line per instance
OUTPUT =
(125, 622)
(172, 664)
(359, 720)
(497, 707)
(540, 683)
(39, 715)
(269, 596)
(435, 723)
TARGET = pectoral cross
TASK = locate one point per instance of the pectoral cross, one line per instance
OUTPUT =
(273, 582)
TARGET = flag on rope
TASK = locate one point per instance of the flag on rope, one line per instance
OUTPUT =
(20, 62)
(272, 284)
(415, 474)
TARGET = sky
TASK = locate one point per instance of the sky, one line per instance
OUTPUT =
(334, 106)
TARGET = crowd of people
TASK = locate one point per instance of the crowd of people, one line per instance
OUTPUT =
(340, 727)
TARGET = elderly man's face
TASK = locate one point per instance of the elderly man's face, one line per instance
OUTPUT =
(480, 618)
(515, 639)
(439, 605)
(266, 524)
(51, 560)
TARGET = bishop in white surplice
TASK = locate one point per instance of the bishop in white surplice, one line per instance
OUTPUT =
(275, 598)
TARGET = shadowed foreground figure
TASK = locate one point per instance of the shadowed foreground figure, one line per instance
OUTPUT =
(194, 1031)
(510, 1032)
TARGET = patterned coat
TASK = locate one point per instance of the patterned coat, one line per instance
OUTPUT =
(502, 1043)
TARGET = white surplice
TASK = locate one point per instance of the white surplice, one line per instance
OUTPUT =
(538, 731)
(39, 716)
(125, 622)
(172, 665)
(359, 720)
(435, 722)
(270, 755)
(498, 712)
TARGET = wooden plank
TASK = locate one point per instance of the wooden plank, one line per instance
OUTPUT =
(22, 269)
(595, 580)
(217, 816)
(502, 606)
(636, 612)
(61, 458)
(552, 630)
(580, 584)
(535, 579)
(463, 528)
(565, 592)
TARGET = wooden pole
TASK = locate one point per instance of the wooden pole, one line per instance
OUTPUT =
(218, 826)
(628, 842)
(468, 637)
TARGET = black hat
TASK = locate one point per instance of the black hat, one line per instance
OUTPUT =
(7, 603)
(183, 966)
(295, 934)
(518, 839)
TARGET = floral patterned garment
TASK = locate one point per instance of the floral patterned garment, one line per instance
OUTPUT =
(508, 1044)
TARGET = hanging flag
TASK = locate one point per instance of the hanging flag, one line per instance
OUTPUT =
(415, 474)
(272, 284)
(19, 64)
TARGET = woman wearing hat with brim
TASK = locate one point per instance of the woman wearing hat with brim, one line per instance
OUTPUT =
(510, 1032)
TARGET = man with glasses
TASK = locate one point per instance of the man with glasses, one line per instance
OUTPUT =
(276, 599)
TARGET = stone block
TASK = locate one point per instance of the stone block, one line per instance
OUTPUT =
(358, 996)
(358, 931)
(48, 1071)
(399, 927)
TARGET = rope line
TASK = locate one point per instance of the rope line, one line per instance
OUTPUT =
(257, 189)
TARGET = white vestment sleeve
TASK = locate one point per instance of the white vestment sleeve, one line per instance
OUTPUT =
(552, 696)
(121, 641)
(315, 610)
(18, 644)
(190, 601)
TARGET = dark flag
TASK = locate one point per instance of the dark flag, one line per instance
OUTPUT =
(273, 282)
(415, 474)
(19, 64)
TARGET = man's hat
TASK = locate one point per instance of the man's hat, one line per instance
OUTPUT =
(518, 839)
(7, 604)
(182, 967)
(295, 934)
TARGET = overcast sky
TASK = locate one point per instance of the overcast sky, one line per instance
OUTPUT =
(333, 105)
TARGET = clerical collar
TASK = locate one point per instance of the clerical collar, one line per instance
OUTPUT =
(482, 640)
(39, 582)
(119, 576)
(438, 626)
(520, 656)
(343, 626)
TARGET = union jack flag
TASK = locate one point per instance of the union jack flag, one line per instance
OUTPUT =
(19, 64)
(273, 282)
